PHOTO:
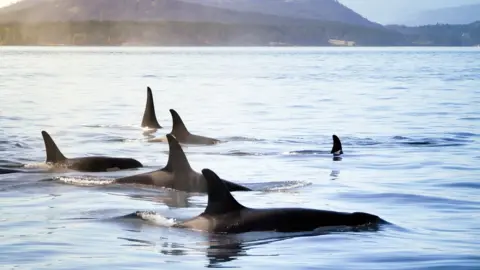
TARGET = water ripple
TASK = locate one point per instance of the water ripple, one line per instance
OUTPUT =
(409, 133)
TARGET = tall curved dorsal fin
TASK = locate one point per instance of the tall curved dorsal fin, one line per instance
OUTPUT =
(178, 128)
(337, 146)
(149, 116)
(53, 153)
(220, 200)
(177, 160)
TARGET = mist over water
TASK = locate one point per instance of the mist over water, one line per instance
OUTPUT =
(408, 120)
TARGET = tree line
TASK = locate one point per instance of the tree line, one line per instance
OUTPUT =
(441, 34)
(114, 33)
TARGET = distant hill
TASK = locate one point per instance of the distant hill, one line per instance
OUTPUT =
(325, 10)
(224, 11)
(129, 10)
(454, 15)
(173, 22)
(441, 34)
(221, 11)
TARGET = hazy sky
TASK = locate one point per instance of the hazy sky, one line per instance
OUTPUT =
(390, 11)
(383, 11)
(6, 2)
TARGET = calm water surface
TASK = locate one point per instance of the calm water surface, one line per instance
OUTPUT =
(408, 119)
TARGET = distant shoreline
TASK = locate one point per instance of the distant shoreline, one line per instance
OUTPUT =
(193, 34)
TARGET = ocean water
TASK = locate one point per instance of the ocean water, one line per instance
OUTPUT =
(408, 119)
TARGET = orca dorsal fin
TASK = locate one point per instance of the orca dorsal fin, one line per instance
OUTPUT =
(178, 129)
(337, 146)
(177, 160)
(220, 200)
(53, 153)
(149, 116)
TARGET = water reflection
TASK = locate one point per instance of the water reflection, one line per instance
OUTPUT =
(337, 158)
(220, 249)
(148, 133)
(334, 174)
(171, 198)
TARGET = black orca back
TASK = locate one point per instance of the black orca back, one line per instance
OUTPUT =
(149, 116)
(102, 164)
(337, 146)
(53, 153)
(179, 130)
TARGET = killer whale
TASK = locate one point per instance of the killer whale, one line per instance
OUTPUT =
(177, 174)
(337, 149)
(7, 171)
(149, 119)
(10, 171)
(224, 214)
(337, 146)
(181, 133)
(86, 164)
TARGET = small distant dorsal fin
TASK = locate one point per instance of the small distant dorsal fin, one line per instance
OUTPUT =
(220, 200)
(177, 160)
(53, 153)
(178, 129)
(149, 116)
(337, 146)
